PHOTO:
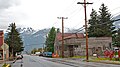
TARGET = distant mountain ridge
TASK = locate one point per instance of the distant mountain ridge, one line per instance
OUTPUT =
(33, 38)
(117, 23)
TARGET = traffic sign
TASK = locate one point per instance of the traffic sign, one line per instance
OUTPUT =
(4, 46)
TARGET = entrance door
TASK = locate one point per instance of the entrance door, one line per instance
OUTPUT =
(71, 50)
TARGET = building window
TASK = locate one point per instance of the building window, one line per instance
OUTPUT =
(104, 47)
(76, 46)
(93, 50)
(110, 45)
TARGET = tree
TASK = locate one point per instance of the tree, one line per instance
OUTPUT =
(50, 40)
(14, 40)
(106, 27)
(58, 30)
(40, 49)
(93, 21)
(33, 51)
(116, 41)
(101, 25)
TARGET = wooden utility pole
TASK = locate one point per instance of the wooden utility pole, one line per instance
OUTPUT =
(62, 35)
(85, 26)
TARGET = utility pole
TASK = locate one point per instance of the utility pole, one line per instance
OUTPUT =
(85, 26)
(62, 34)
(43, 48)
(4, 51)
(12, 43)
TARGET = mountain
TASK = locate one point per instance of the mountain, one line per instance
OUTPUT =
(33, 38)
(117, 23)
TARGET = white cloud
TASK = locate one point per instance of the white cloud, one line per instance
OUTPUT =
(41, 14)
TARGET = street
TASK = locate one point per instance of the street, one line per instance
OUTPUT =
(35, 61)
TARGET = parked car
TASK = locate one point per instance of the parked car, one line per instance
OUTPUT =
(47, 54)
(41, 54)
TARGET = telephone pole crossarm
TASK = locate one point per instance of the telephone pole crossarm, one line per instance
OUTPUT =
(84, 3)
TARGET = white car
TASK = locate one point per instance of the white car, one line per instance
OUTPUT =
(19, 56)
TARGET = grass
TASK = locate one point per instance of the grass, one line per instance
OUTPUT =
(78, 57)
(95, 58)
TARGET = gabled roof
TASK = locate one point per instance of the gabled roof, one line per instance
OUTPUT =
(69, 35)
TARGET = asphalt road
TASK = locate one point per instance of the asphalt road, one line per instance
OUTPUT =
(35, 61)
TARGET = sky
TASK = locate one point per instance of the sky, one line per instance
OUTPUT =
(40, 14)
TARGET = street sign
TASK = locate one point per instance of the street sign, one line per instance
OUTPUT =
(4, 46)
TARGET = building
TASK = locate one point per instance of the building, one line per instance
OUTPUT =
(1, 49)
(1, 43)
(67, 36)
(75, 44)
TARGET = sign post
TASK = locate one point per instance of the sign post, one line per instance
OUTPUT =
(4, 47)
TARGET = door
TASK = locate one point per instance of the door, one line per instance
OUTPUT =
(71, 50)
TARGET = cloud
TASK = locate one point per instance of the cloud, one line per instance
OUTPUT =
(5, 4)
(9, 13)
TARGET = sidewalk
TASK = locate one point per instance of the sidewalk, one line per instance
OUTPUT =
(2, 62)
(106, 62)
(78, 60)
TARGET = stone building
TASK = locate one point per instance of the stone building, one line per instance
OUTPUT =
(75, 44)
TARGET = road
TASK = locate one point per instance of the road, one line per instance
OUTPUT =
(35, 61)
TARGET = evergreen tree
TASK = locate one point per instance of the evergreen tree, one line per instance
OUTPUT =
(50, 40)
(93, 21)
(116, 41)
(106, 27)
(101, 25)
(58, 30)
(14, 40)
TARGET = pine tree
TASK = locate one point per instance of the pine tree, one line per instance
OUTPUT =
(93, 21)
(101, 25)
(106, 27)
(50, 40)
(14, 40)
(116, 41)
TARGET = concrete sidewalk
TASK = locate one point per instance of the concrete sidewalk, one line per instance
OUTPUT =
(2, 62)
(78, 60)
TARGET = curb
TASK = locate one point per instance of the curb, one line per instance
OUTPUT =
(105, 62)
(116, 63)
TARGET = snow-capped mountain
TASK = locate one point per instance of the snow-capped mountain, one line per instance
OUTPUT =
(33, 38)
(28, 30)
(117, 23)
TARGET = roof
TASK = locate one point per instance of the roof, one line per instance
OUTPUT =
(69, 35)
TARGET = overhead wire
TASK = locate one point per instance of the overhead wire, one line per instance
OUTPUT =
(70, 6)
(79, 11)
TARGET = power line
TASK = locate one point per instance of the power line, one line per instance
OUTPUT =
(80, 10)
